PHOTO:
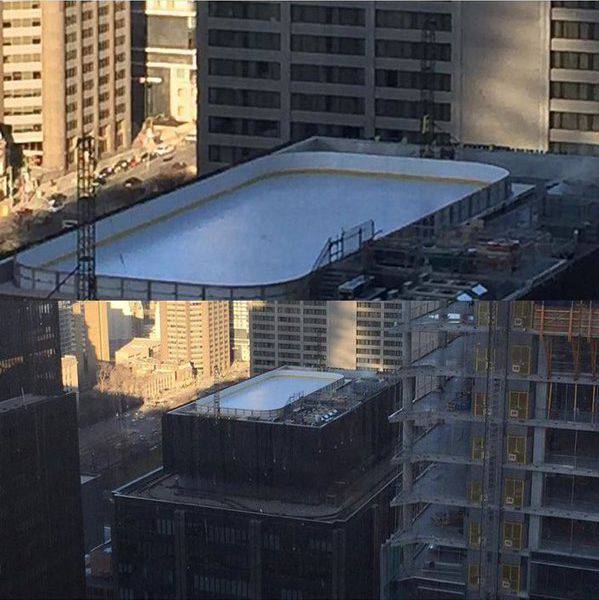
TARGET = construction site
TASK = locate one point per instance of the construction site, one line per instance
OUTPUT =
(498, 493)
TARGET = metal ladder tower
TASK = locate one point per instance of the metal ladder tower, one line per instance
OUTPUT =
(427, 86)
(497, 358)
(216, 395)
(85, 277)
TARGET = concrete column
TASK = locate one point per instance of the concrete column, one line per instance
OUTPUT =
(285, 61)
(538, 451)
(369, 71)
(53, 86)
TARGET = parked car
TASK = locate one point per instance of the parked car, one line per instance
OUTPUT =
(121, 166)
(69, 223)
(105, 172)
(179, 165)
(55, 206)
(132, 182)
(164, 149)
(57, 197)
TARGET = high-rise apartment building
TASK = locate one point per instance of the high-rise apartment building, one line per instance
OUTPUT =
(41, 531)
(65, 72)
(347, 335)
(196, 333)
(240, 330)
(499, 462)
(518, 75)
(164, 59)
(280, 488)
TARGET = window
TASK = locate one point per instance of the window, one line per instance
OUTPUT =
(239, 97)
(474, 534)
(520, 359)
(518, 405)
(574, 121)
(482, 360)
(411, 50)
(513, 494)
(259, 11)
(327, 74)
(512, 536)
(244, 68)
(473, 576)
(244, 39)
(574, 91)
(575, 60)
(516, 449)
(476, 492)
(325, 103)
(480, 404)
(300, 131)
(574, 30)
(478, 448)
(510, 578)
(327, 44)
(329, 15)
(406, 19)
(412, 80)
(410, 109)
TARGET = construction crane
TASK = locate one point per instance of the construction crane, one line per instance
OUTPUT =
(85, 275)
(216, 395)
(491, 512)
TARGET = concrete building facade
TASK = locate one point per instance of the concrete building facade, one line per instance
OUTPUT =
(346, 335)
(196, 333)
(164, 49)
(66, 72)
(516, 75)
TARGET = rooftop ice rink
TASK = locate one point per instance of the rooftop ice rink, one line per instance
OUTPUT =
(270, 391)
(265, 221)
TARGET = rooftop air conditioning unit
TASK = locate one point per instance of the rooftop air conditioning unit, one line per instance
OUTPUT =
(509, 500)
(514, 412)
(507, 543)
(516, 368)
(505, 584)
(511, 457)
(518, 322)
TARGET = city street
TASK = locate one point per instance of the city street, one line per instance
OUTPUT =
(158, 175)
(122, 437)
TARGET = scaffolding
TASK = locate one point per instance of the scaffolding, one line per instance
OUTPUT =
(499, 453)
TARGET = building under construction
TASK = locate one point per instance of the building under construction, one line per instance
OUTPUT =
(499, 454)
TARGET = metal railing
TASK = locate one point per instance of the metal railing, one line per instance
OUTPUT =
(345, 244)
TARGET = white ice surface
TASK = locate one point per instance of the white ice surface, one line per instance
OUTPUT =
(272, 393)
(271, 230)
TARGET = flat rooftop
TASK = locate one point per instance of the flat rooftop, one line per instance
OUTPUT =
(267, 392)
(292, 396)
(267, 220)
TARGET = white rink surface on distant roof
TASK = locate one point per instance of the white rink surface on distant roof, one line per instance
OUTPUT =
(272, 390)
(270, 218)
